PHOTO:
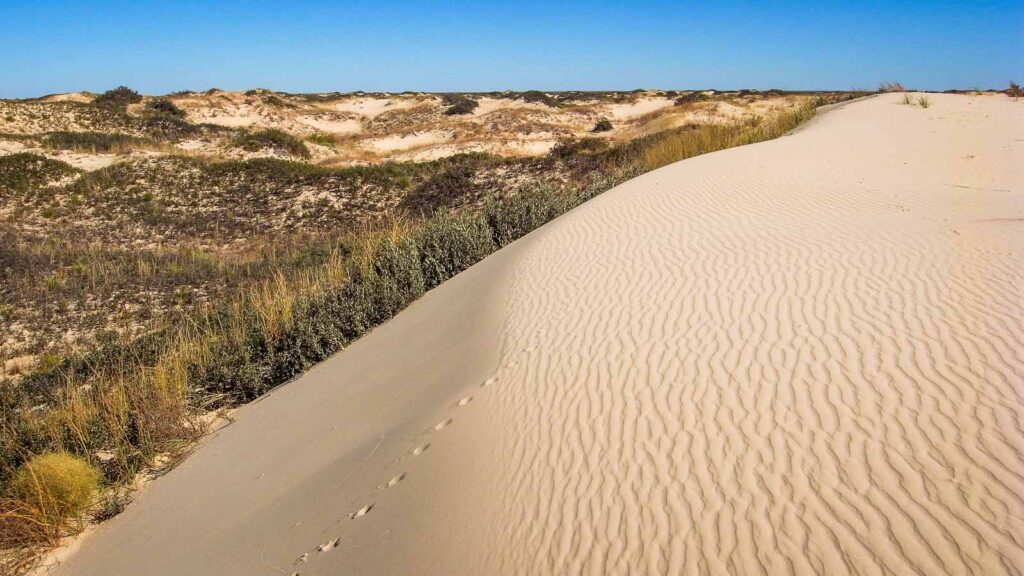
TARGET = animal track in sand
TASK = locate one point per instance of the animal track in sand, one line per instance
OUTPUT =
(361, 512)
(420, 449)
(326, 546)
(393, 482)
(465, 401)
(443, 424)
(489, 382)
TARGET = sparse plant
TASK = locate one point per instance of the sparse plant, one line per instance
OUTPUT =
(924, 102)
(603, 125)
(891, 87)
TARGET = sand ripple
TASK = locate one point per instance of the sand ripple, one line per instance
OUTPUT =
(803, 357)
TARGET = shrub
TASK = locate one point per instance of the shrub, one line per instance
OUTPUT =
(450, 242)
(119, 97)
(568, 149)
(55, 488)
(167, 126)
(457, 104)
(924, 102)
(164, 107)
(691, 97)
(603, 125)
(25, 171)
(539, 97)
(322, 140)
(891, 87)
(1015, 91)
(272, 139)
(517, 216)
(395, 280)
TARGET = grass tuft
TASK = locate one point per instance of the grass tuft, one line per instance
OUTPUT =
(49, 491)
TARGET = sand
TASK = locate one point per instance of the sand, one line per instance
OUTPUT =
(804, 356)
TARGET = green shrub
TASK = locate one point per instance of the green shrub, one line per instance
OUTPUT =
(517, 216)
(322, 139)
(24, 171)
(397, 278)
(457, 104)
(691, 97)
(272, 139)
(164, 107)
(539, 97)
(57, 486)
(568, 149)
(603, 125)
(119, 98)
(450, 242)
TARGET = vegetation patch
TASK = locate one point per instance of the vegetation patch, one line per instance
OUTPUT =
(118, 98)
(164, 107)
(458, 104)
(94, 142)
(23, 172)
(273, 140)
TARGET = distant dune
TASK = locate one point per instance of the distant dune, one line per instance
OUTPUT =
(803, 356)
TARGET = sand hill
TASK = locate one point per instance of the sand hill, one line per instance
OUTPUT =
(802, 356)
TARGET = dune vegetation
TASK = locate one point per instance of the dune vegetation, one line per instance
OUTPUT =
(240, 322)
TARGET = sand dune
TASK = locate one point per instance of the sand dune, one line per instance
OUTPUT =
(799, 357)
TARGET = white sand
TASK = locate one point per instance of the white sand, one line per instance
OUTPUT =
(798, 357)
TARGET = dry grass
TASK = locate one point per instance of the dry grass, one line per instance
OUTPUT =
(891, 87)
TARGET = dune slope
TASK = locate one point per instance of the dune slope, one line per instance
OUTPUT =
(804, 356)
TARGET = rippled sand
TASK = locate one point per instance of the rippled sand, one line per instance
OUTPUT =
(800, 357)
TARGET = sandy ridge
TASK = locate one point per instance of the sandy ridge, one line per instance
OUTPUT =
(797, 357)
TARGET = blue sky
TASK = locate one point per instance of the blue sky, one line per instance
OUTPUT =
(307, 46)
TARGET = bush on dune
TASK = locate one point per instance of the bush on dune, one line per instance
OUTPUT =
(451, 242)
(118, 98)
(46, 493)
(271, 139)
(458, 104)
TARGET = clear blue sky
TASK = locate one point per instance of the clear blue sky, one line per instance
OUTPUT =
(306, 45)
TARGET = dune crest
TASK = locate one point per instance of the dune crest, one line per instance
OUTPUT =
(798, 357)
